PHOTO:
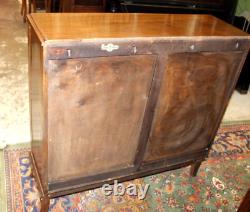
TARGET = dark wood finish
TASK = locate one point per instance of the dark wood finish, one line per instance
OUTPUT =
(24, 10)
(82, 5)
(243, 83)
(44, 201)
(44, 197)
(101, 94)
(73, 186)
(223, 9)
(27, 7)
(245, 204)
(38, 108)
(194, 168)
(119, 104)
(184, 96)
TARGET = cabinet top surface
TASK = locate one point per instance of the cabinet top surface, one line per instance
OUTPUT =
(57, 26)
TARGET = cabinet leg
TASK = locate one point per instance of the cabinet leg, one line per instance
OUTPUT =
(32, 172)
(194, 168)
(44, 203)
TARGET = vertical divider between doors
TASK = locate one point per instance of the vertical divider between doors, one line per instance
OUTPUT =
(159, 68)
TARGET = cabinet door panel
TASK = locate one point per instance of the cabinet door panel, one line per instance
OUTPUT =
(193, 92)
(96, 108)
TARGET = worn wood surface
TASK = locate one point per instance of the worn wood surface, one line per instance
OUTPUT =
(37, 95)
(152, 103)
(191, 99)
(96, 108)
(65, 188)
(107, 25)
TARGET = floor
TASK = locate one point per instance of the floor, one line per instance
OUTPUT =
(14, 115)
(14, 102)
(238, 109)
(214, 189)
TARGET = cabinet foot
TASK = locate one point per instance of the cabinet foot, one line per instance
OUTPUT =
(44, 203)
(194, 168)
(32, 173)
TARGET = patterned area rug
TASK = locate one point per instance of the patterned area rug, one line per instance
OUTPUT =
(221, 183)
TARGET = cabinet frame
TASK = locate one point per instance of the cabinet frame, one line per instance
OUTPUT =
(161, 47)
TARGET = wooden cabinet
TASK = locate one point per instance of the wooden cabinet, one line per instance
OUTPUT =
(121, 96)
(193, 84)
(106, 101)
(223, 9)
(82, 5)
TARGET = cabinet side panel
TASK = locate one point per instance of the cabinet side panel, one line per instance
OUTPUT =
(193, 93)
(96, 107)
(36, 89)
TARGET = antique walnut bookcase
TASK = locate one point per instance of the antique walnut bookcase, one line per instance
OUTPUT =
(121, 96)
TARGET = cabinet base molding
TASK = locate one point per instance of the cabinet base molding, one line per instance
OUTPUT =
(79, 185)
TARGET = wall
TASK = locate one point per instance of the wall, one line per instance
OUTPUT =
(243, 6)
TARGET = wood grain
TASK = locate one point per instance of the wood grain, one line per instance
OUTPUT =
(152, 104)
(37, 106)
(191, 99)
(107, 25)
(96, 107)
